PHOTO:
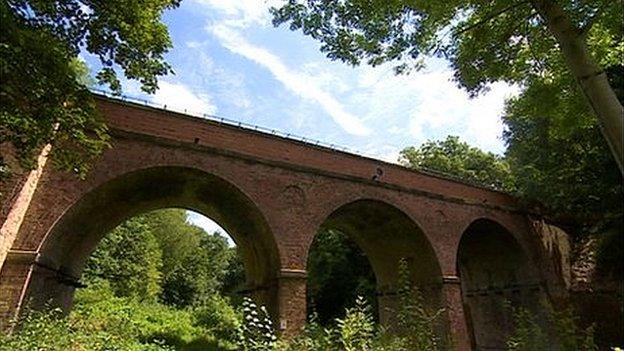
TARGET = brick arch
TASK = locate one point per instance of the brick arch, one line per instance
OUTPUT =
(385, 233)
(76, 233)
(496, 273)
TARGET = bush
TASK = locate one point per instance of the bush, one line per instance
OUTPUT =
(217, 316)
(256, 333)
(51, 331)
(561, 333)
(102, 321)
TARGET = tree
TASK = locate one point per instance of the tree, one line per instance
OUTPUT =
(129, 258)
(195, 263)
(485, 41)
(557, 156)
(160, 255)
(338, 272)
(458, 159)
(42, 98)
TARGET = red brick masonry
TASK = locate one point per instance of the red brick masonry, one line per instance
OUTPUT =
(272, 195)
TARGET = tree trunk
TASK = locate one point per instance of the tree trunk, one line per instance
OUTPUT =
(591, 78)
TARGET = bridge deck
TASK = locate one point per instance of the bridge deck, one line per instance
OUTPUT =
(162, 126)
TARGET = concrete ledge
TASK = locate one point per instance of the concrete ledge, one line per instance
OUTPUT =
(451, 279)
(293, 273)
(22, 256)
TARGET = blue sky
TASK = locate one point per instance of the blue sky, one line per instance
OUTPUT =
(230, 61)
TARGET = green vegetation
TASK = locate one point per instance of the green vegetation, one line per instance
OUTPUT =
(43, 95)
(564, 335)
(159, 256)
(418, 327)
(102, 321)
(557, 156)
(338, 272)
(521, 42)
(154, 283)
(458, 159)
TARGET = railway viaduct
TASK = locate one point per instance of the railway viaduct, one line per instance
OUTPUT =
(469, 249)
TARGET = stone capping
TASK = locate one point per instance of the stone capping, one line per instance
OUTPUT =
(22, 256)
(293, 273)
(451, 279)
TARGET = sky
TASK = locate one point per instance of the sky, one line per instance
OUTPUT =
(230, 61)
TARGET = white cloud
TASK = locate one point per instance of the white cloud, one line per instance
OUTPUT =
(400, 110)
(430, 105)
(193, 44)
(243, 13)
(300, 83)
(388, 154)
(178, 97)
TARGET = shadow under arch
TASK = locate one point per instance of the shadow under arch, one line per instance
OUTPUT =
(386, 235)
(496, 276)
(77, 232)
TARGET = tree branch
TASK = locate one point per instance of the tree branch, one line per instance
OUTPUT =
(590, 22)
(491, 17)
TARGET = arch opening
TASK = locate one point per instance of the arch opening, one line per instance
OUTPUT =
(77, 233)
(496, 277)
(338, 272)
(385, 235)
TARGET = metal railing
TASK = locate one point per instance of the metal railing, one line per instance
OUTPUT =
(232, 122)
(288, 136)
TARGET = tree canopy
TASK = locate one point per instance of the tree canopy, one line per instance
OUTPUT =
(43, 97)
(458, 159)
(557, 156)
(159, 255)
(513, 41)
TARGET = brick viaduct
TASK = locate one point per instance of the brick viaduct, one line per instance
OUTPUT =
(469, 248)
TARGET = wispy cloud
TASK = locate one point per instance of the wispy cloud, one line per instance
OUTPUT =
(242, 13)
(177, 96)
(429, 105)
(298, 82)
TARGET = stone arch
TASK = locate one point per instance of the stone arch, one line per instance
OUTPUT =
(496, 275)
(76, 233)
(386, 234)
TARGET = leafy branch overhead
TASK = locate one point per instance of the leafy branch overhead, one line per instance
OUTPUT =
(44, 98)
(518, 42)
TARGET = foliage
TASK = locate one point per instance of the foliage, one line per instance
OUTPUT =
(528, 334)
(565, 335)
(160, 255)
(102, 321)
(457, 158)
(52, 332)
(43, 98)
(557, 155)
(195, 263)
(338, 272)
(234, 278)
(138, 254)
(312, 337)
(217, 316)
(256, 333)
(485, 41)
(129, 258)
(417, 326)
(417, 322)
(356, 329)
